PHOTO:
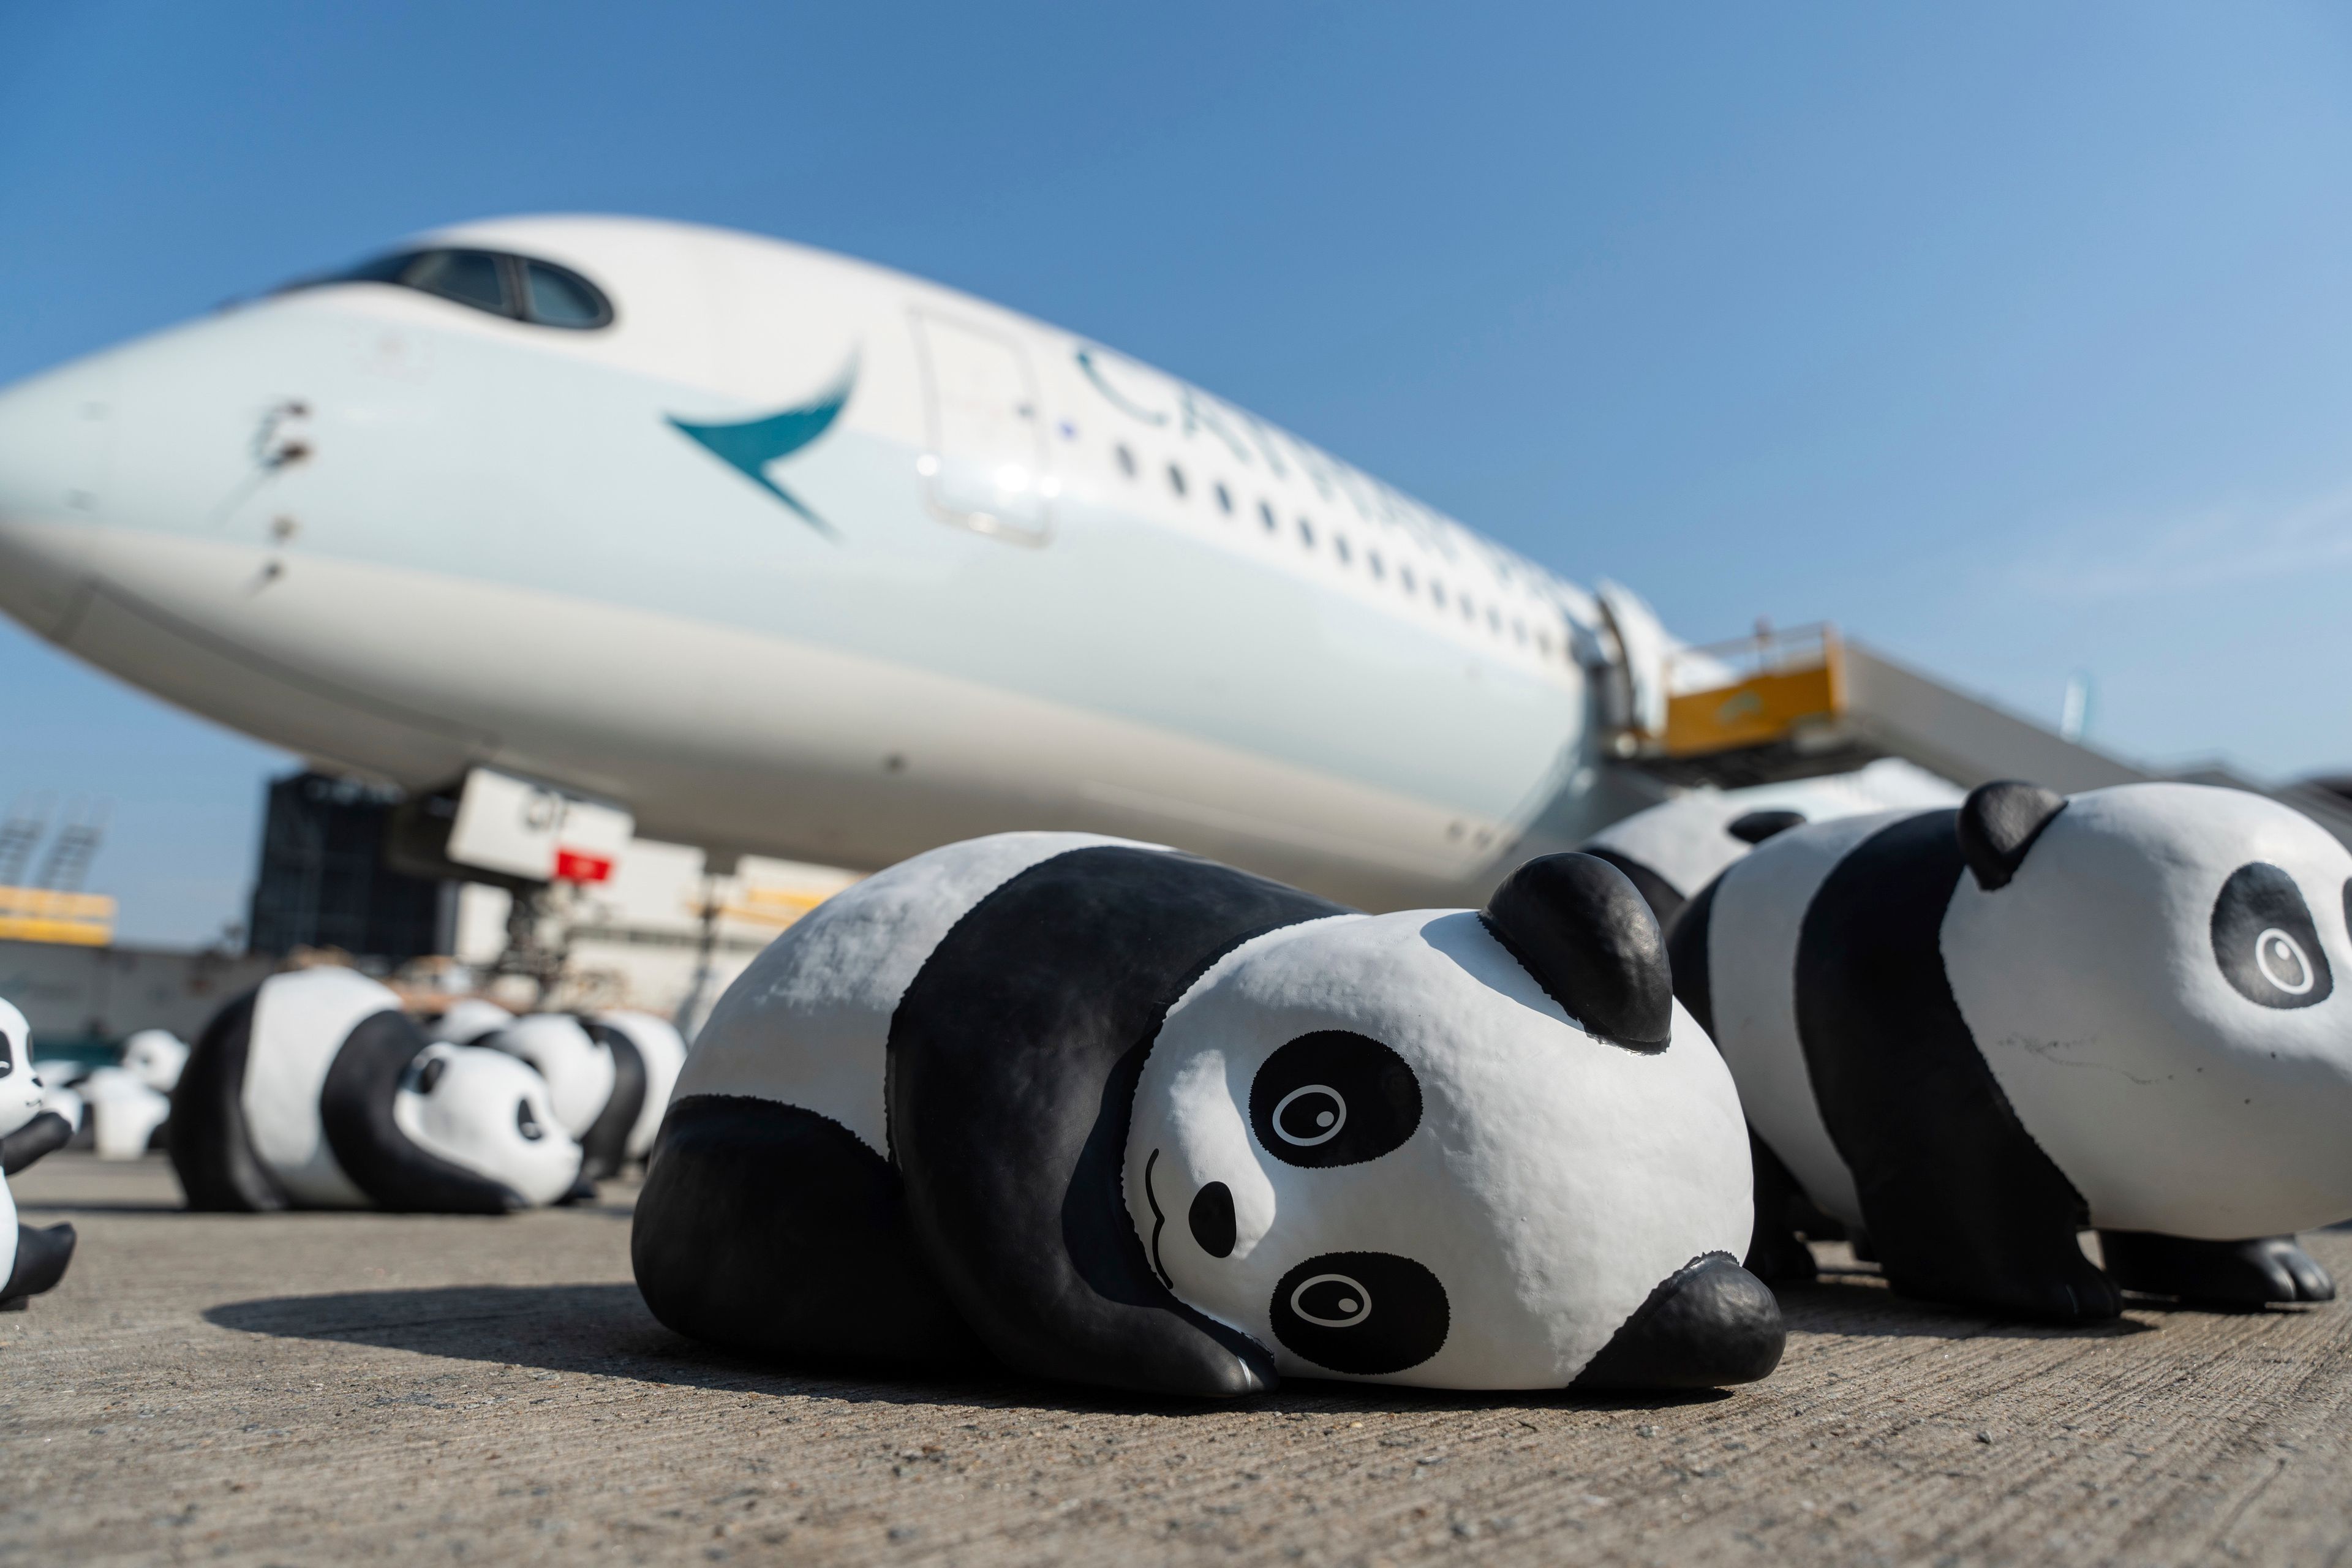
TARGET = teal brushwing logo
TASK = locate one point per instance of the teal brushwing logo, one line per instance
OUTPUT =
(750, 446)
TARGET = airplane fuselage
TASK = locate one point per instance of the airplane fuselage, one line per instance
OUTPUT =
(800, 556)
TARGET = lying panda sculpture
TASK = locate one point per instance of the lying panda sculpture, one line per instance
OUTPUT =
(31, 1260)
(314, 1090)
(1972, 1033)
(1121, 1116)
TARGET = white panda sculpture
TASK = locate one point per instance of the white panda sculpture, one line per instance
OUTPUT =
(466, 1020)
(130, 1105)
(1120, 1116)
(31, 1260)
(596, 1076)
(314, 1090)
(1972, 1033)
(1674, 848)
(661, 1050)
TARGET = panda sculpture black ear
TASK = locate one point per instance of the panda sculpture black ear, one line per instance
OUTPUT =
(1999, 823)
(1579, 926)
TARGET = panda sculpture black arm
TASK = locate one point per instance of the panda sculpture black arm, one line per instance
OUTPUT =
(32, 1258)
(1109, 1113)
(1970, 1035)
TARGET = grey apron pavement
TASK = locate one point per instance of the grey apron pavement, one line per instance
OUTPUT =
(337, 1388)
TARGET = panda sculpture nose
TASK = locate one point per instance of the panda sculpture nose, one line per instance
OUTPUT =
(1710, 1324)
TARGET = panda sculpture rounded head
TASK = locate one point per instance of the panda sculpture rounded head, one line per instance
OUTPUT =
(1116, 1115)
(1973, 1033)
(314, 1090)
(31, 1260)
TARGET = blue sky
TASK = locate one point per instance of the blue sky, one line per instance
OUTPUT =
(2016, 338)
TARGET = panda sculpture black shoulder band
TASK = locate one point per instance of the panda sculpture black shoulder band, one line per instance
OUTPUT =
(1013, 1063)
(1959, 1200)
(605, 1145)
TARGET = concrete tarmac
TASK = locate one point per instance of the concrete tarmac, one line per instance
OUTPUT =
(318, 1388)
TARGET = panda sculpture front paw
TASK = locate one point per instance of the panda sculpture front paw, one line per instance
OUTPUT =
(2252, 1273)
(1115, 1115)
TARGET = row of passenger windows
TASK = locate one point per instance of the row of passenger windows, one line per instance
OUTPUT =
(522, 287)
(1406, 579)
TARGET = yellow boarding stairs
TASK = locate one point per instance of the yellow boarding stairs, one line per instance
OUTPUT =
(41, 914)
(1796, 703)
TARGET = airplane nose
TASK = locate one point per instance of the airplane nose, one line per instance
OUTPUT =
(1710, 1324)
(53, 441)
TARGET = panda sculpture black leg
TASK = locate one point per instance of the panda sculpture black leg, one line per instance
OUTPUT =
(2251, 1273)
(1776, 1253)
(772, 1230)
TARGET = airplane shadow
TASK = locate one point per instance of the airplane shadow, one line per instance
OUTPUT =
(605, 1330)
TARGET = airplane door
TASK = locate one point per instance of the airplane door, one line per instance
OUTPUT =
(986, 466)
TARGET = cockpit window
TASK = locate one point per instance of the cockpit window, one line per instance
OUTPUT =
(555, 297)
(469, 277)
(520, 287)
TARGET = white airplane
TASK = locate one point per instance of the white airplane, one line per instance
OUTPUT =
(787, 553)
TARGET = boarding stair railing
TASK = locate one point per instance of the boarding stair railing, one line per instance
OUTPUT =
(1807, 700)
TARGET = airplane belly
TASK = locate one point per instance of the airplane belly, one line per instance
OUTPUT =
(718, 736)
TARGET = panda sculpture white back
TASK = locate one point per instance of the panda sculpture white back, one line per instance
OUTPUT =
(1674, 848)
(31, 1260)
(1113, 1114)
(314, 1090)
(1972, 1033)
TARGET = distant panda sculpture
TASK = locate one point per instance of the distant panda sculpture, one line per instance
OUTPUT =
(596, 1077)
(314, 1090)
(31, 1260)
(130, 1105)
(1124, 1117)
(661, 1053)
(1674, 848)
(1972, 1033)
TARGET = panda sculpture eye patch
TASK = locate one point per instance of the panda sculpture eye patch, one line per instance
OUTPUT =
(1333, 1097)
(526, 1123)
(2265, 942)
(430, 1074)
(1369, 1314)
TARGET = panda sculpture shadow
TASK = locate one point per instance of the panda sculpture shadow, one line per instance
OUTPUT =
(605, 1330)
(1854, 1303)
